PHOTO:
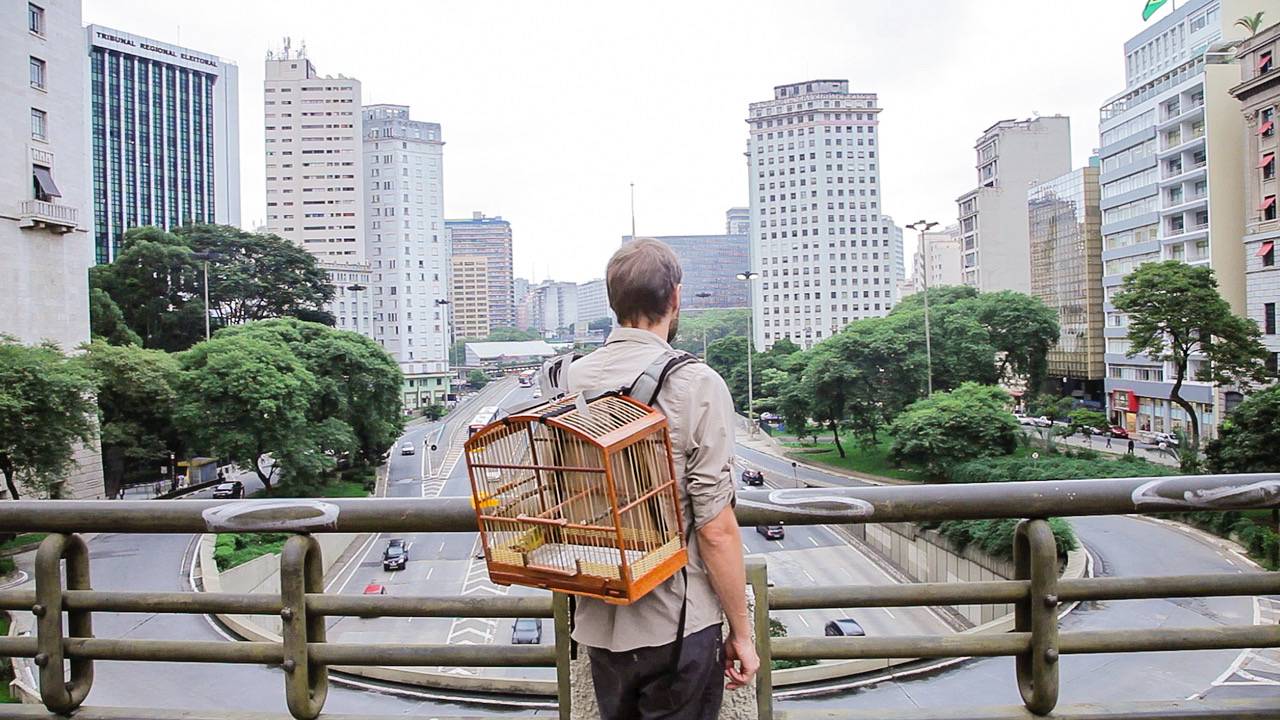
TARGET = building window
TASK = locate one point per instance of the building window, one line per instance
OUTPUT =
(1268, 253)
(39, 124)
(1269, 207)
(1266, 122)
(1273, 363)
(37, 73)
(35, 18)
(1268, 165)
(1269, 318)
(1264, 62)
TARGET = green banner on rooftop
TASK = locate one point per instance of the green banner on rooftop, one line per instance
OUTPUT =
(1152, 7)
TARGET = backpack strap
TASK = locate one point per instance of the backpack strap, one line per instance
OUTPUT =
(646, 387)
(553, 379)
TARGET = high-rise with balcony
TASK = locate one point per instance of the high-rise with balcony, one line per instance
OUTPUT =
(490, 238)
(819, 242)
(1172, 160)
(407, 247)
(44, 193)
(165, 136)
(1011, 156)
(315, 187)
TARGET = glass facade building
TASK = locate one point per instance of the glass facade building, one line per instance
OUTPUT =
(1065, 226)
(164, 139)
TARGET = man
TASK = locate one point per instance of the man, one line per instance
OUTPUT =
(639, 670)
(1130, 446)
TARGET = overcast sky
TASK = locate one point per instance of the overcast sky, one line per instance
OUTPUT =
(551, 109)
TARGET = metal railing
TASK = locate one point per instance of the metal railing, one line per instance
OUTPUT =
(49, 212)
(65, 651)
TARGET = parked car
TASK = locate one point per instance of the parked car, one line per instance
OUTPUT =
(771, 532)
(232, 490)
(844, 627)
(407, 449)
(526, 631)
(396, 555)
(1118, 432)
(1042, 421)
(752, 477)
(1164, 440)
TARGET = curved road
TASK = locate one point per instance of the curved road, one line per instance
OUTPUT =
(1120, 545)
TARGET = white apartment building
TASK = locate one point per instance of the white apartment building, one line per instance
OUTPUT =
(821, 247)
(44, 191)
(593, 303)
(164, 136)
(407, 247)
(351, 307)
(937, 260)
(899, 262)
(315, 189)
(1172, 160)
(553, 307)
(1012, 155)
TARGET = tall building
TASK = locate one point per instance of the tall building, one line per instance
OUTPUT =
(407, 247)
(818, 240)
(315, 187)
(490, 238)
(593, 303)
(44, 192)
(352, 310)
(1259, 95)
(709, 265)
(1011, 156)
(1170, 136)
(937, 260)
(554, 308)
(737, 221)
(469, 296)
(1065, 224)
(522, 303)
(898, 250)
(165, 136)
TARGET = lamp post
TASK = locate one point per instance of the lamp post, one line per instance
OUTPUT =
(356, 288)
(446, 336)
(206, 257)
(748, 276)
(704, 294)
(922, 227)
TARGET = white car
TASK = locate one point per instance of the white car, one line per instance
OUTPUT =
(1024, 419)
(1042, 421)
(407, 449)
(1163, 439)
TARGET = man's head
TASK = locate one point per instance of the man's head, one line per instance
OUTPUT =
(643, 280)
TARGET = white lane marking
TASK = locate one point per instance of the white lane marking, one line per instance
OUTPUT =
(806, 622)
(351, 568)
(806, 574)
(814, 541)
(440, 550)
(890, 614)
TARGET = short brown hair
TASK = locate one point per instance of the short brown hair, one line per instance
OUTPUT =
(641, 279)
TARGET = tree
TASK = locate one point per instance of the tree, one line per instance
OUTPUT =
(135, 391)
(257, 276)
(502, 333)
(826, 381)
(46, 408)
(938, 297)
(477, 379)
(1175, 313)
(1086, 420)
(1022, 329)
(359, 384)
(1251, 23)
(1249, 436)
(714, 323)
(949, 428)
(155, 283)
(242, 398)
(106, 321)
(886, 372)
(1050, 406)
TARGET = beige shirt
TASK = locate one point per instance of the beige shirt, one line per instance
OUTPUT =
(699, 412)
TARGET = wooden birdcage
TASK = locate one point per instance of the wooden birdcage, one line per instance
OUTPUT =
(579, 497)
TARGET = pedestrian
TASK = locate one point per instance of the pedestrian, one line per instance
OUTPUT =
(663, 656)
(1108, 440)
(1130, 446)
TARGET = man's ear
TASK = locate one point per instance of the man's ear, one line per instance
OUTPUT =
(675, 300)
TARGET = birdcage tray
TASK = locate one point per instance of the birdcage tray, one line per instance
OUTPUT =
(579, 569)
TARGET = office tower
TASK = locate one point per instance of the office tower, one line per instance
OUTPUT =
(165, 136)
(469, 296)
(937, 260)
(1065, 225)
(407, 247)
(1011, 156)
(593, 304)
(44, 228)
(818, 240)
(1174, 132)
(490, 238)
(709, 265)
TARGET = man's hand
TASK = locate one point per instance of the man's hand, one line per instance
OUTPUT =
(740, 661)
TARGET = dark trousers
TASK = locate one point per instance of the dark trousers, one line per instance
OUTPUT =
(640, 685)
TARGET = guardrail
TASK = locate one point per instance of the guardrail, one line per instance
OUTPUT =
(305, 656)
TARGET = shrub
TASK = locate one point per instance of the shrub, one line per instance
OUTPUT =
(778, 630)
(953, 427)
(1053, 467)
(995, 537)
(232, 549)
(7, 565)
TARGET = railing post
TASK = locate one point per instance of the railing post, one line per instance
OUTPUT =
(306, 684)
(758, 579)
(60, 696)
(1035, 558)
(560, 622)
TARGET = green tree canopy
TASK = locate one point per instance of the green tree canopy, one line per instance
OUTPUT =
(827, 378)
(715, 323)
(107, 322)
(1249, 439)
(1175, 313)
(155, 282)
(46, 409)
(954, 427)
(938, 297)
(1021, 328)
(477, 379)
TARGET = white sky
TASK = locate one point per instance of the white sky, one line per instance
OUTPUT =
(550, 109)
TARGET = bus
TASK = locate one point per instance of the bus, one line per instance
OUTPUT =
(526, 378)
(484, 417)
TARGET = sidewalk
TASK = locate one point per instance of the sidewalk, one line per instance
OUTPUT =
(1119, 447)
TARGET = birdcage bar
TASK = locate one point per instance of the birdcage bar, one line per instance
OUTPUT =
(551, 468)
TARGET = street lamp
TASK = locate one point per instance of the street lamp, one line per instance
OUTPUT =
(206, 257)
(356, 288)
(704, 294)
(923, 226)
(748, 276)
(446, 337)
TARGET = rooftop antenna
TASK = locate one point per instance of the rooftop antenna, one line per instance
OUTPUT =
(284, 55)
(302, 49)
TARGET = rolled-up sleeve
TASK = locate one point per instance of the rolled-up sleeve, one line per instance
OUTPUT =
(708, 426)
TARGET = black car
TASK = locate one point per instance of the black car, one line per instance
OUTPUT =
(844, 627)
(752, 477)
(232, 490)
(526, 631)
(396, 555)
(771, 532)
